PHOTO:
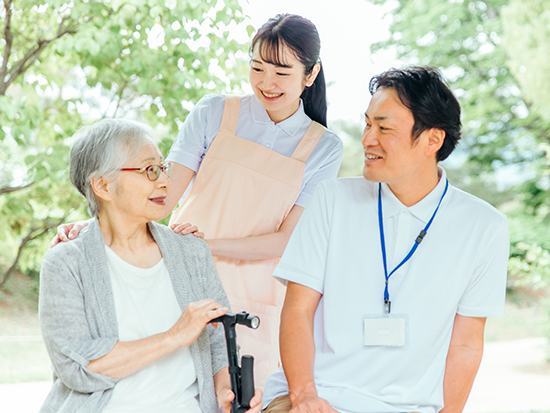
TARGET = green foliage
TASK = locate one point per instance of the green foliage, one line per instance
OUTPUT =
(351, 134)
(66, 64)
(530, 268)
(463, 38)
(529, 264)
(474, 179)
(526, 26)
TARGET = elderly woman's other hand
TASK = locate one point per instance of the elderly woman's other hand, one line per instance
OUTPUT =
(194, 319)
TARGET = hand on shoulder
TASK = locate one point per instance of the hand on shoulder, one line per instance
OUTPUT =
(67, 232)
(187, 228)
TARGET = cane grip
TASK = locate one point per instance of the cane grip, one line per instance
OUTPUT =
(247, 380)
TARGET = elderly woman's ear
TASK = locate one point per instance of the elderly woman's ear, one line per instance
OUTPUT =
(102, 188)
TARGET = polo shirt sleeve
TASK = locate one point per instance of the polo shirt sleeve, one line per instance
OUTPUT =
(485, 294)
(327, 169)
(197, 132)
(304, 259)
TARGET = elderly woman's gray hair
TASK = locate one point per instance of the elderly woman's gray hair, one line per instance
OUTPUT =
(101, 150)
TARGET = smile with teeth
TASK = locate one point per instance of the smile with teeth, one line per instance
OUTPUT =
(371, 156)
(159, 200)
(271, 95)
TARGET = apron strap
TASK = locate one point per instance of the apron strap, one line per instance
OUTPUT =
(230, 116)
(308, 142)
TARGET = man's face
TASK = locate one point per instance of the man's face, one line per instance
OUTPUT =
(391, 156)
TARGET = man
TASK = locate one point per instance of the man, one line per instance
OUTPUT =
(391, 278)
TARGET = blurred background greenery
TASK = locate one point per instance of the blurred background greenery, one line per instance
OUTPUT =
(65, 64)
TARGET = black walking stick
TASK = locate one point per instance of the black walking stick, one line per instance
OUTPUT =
(242, 378)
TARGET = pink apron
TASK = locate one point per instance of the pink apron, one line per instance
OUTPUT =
(244, 189)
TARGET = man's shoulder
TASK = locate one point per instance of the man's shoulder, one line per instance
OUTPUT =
(348, 183)
(475, 208)
(352, 188)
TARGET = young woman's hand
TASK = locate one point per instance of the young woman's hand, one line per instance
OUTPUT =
(66, 232)
(226, 396)
(187, 228)
(192, 321)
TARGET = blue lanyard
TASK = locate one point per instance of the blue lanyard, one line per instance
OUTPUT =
(421, 235)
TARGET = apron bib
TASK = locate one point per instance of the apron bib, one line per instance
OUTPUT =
(244, 189)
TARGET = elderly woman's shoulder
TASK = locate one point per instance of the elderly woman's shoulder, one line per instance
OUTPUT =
(188, 241)
(70, 250)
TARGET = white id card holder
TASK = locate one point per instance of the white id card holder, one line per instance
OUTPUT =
(385, 330)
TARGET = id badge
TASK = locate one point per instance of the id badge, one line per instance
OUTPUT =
(385, 330)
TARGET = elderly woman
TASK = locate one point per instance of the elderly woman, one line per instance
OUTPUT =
(111, 301)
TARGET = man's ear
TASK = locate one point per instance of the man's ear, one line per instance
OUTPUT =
(313, 75)
(436, 137)
(102, 188)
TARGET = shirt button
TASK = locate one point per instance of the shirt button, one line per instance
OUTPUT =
(401, 240)
(267, 145)
(273, 128)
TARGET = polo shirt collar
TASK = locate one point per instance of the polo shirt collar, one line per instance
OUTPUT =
(423, 210)
(290, 126)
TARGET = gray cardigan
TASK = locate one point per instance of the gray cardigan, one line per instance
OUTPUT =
(79, 324)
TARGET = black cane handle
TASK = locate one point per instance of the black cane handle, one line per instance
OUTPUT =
(247, 380)
(243, 318)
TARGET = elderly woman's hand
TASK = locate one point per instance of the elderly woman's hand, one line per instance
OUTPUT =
(187, 228)
(192, 321)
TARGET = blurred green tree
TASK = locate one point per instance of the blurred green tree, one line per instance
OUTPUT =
(464, 39)
(526, 36)
(64, 64)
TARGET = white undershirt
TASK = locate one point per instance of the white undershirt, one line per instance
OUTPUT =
(145, 305)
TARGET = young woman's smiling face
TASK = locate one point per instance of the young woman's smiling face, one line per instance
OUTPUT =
(278, 87)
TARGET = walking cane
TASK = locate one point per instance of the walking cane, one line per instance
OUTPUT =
(242, 378)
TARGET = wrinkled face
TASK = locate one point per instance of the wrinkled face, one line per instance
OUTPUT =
(135, 194)
(278, 88)
(391, 156)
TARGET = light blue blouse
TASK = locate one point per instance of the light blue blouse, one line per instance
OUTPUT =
(203, 123)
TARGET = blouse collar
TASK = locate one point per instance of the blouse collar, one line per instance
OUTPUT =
(290, 126)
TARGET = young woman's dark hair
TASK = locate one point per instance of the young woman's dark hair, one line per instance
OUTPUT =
(424, 92)
(301, 37)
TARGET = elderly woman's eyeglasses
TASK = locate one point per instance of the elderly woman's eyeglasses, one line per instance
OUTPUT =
(153, 171)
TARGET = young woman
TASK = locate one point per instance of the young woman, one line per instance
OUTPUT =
(255, 161)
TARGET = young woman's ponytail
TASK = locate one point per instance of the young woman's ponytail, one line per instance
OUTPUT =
(315, 99)
(299, 35)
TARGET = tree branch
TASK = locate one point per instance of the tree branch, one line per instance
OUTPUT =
(8, 36)
(116, 94)
(32, 235)
(30, 57)
(8, 189)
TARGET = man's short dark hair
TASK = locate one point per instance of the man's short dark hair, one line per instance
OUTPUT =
(424, 92)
